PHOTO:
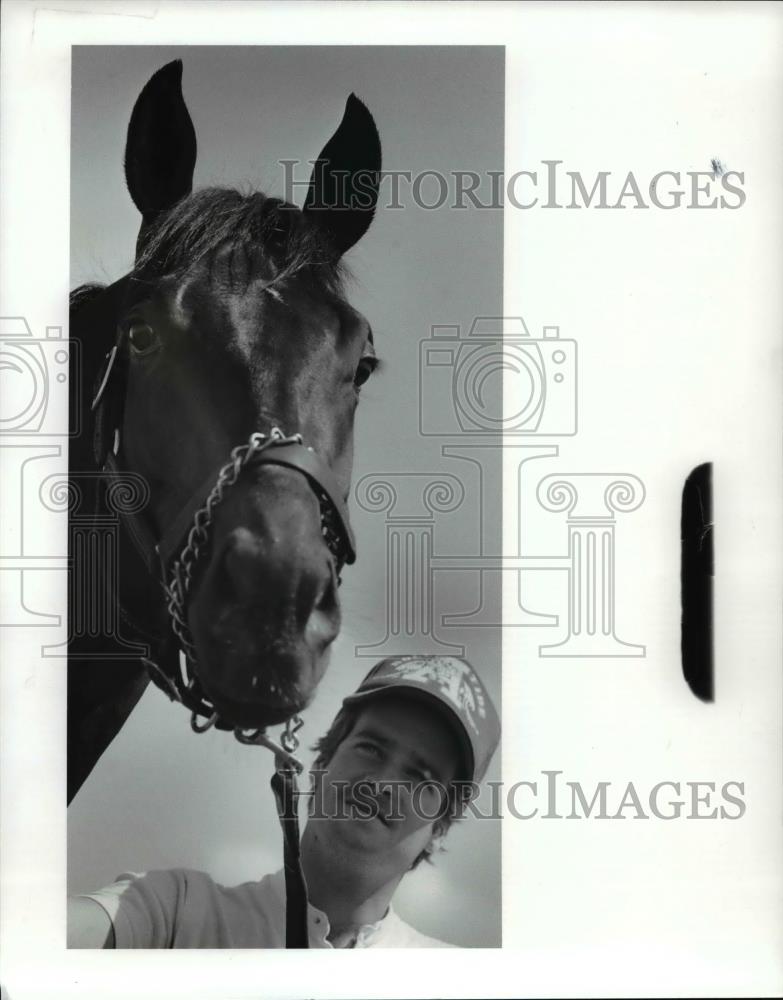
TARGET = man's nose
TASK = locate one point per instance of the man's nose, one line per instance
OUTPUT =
(382, 774)
(389, 783)
(388, 793)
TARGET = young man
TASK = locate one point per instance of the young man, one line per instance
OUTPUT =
(390, 776)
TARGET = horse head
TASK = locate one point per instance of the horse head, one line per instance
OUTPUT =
(232, 332)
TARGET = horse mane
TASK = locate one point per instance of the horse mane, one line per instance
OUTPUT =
(217, 218)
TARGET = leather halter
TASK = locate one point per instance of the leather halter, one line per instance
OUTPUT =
(159, 554)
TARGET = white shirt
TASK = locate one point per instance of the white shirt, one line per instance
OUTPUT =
(180, 908)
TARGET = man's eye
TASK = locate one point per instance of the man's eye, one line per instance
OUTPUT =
(364, 370)
(368, 748)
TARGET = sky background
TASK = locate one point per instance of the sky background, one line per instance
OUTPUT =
(162, 797)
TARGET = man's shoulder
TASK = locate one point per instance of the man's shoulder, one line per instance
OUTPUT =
(192, 878)
(198, 888)
(187, 882)
(187, 908)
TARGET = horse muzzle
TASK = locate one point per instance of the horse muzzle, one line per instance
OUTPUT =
(252, 595)
(255, 621)
(266, 608)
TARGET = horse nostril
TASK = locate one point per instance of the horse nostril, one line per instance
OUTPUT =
(327, 602)
(323, 623)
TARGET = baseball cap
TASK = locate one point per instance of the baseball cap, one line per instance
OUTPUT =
(454, 689)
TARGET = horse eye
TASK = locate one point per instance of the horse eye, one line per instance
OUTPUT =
(142, 338)
(365, 369)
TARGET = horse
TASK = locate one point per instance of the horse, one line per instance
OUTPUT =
(226, 369)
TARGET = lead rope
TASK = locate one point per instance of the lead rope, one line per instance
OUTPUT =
(284, 786)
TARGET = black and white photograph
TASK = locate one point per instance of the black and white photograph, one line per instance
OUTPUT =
(390, 483)
(267, 606)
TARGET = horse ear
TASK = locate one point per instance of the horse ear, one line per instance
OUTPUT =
(160, 152)
(343, 189)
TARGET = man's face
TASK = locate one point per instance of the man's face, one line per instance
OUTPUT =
(393, 739)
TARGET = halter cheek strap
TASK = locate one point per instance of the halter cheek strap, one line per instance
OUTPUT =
(108, 405)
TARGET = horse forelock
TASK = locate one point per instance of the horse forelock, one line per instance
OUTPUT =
(227, 258)
(266, 233)
(82, 295)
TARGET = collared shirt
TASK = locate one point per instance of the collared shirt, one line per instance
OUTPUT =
(181, 908)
